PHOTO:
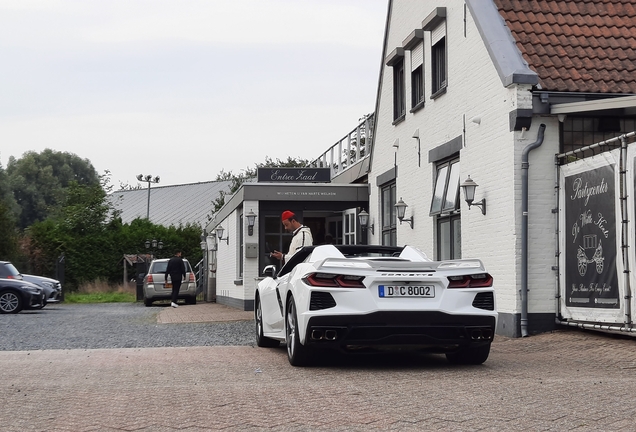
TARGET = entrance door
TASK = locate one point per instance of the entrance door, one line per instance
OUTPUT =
(334, 227)
(349, 231)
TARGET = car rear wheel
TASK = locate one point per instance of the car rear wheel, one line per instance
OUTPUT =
(10, 302)
(191, 300)
(147, 302)
(469, 355)
(261, 340)
(297, 353)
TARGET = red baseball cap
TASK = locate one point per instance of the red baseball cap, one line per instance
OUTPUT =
(287, 214)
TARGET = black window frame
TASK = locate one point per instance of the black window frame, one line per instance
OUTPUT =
(452, 166)
(584, 130)
(388, 193)
(399, 91)
(452, 240)
(417, 87)
(439, 69)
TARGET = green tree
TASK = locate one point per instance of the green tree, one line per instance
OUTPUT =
(39, 180)
(8, 229)
(78, 230)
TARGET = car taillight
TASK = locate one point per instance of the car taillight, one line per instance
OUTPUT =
(150, 278)
(10, 277)
(334, 280)
(479, 280)
(192, 277)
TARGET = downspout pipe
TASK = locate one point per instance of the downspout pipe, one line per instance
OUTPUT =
(524, 228)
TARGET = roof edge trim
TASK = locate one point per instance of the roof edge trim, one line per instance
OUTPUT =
(501, 46)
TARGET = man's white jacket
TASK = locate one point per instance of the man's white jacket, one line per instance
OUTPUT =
(301, 237)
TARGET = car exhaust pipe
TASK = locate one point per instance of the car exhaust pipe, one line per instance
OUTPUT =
(331, 335)
(317, 334)
(487, 334)
(476, 335)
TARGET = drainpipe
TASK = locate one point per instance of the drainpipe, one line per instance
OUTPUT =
(524, 229)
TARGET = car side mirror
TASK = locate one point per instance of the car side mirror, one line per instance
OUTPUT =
(270, 271)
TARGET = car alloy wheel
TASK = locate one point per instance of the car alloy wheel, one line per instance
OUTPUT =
(297, 353)
(10, 302)
(261, 340)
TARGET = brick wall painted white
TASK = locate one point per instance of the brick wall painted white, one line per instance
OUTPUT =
(250, 265)
(491, 155)
(227, 260)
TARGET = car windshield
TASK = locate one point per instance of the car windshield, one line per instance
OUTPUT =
(8, 269)
(160, 266)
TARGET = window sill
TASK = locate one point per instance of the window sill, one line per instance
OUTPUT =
(417, 107)
(439, 92)
(238, 282)
(400, 119)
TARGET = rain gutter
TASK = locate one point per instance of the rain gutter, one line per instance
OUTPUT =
(524, 228)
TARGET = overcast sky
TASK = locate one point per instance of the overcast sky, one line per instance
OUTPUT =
(183, 89)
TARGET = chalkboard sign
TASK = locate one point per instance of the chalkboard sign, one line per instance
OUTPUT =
(591, 239)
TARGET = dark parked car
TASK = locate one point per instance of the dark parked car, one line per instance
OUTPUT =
(52, 288)
(16, 295)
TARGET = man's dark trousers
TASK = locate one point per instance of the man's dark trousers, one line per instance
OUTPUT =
(176, 286)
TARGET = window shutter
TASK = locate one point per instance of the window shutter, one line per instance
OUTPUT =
(438, 33)
(417, 56)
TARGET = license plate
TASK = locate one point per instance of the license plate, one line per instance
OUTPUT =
(168, 285)
(406, 291)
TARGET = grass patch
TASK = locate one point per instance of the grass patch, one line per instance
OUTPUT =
(100, 291)
(115, 297)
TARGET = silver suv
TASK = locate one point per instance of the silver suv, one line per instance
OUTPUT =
(155, 284)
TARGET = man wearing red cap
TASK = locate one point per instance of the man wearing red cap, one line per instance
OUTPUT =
(301, 236)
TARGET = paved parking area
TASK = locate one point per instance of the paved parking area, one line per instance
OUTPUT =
(566, 380)
(202, 312)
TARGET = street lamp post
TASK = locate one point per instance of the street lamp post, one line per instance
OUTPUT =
(148, 179)
(155, 245)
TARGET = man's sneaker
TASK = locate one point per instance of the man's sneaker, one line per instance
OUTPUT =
(173, 304)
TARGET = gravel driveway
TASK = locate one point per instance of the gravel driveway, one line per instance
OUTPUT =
(111, 325)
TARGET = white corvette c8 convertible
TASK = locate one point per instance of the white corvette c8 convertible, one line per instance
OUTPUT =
(358, 298)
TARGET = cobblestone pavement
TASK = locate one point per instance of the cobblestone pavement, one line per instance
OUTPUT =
(565, 380)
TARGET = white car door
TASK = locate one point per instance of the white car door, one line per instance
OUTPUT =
(271, 305)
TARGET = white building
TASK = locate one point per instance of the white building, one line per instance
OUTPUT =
(469, 88)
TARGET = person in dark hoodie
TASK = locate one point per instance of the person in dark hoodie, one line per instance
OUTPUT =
(177, 271)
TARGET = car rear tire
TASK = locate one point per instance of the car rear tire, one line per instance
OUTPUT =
(261, 340)
(297, 353)
(191, 300)
(10, 302)
(147, 302)
(469, 355)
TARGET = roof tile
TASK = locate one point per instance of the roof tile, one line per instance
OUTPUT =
(576, 46)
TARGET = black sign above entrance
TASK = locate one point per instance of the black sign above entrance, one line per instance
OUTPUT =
(294, 175)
